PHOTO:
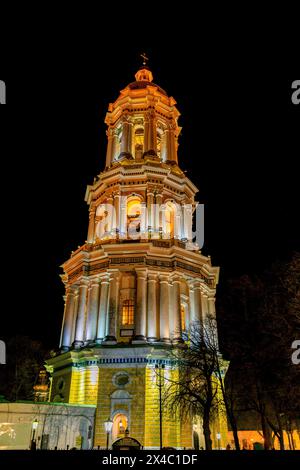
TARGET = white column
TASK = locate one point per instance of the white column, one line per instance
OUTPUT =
(111, 319)
(143, 220)
(110, 215)
(171, 143)
(163, 147)
(115, 145)
(66, 340)
(164, 326)
(150, 208)
(152, 308)
(80, 323)
(117, 213)
(141, 303)
(152, 139)
(163, 221)
(123, 218)
(91, 330)
(213, 326)
(197, 303)
(211, 306)
(91, 230)
(187, 221)
(103, 306)
(158, 214)
(109, 149)
(178, 222)
(176, 333)
(205, 311)
(130, 137)
(76, 300)
(125, 139)
(191, 301)
(146, 133)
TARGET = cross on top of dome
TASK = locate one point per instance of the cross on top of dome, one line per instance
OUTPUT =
(144, 74)
(145, 58)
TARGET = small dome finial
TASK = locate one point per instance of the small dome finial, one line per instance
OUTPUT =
(144, 74)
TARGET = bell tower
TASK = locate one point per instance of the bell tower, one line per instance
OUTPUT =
(140, 280)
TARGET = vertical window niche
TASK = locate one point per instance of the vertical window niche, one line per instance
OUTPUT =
(139, 143)
(128, 312)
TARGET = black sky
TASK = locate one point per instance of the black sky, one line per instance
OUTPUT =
(239, 145)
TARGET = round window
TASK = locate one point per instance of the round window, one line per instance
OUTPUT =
(121, 379)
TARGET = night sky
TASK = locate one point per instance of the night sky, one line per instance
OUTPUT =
(239, 145)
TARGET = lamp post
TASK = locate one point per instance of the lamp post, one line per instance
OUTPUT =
(160, 386)
(34, 428)
(108, 427)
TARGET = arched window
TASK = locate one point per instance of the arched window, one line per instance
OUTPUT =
(128, 312)
(120, 424)
(169, 220)
(134, 217)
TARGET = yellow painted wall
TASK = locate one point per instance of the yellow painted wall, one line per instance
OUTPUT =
(84, 385)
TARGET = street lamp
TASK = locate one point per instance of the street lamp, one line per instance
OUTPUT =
(108, 427)
(34, 428)
(219, 440)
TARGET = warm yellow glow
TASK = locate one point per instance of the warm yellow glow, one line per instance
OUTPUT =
(120, 424)
(128, 312)
(133, 207)
(134, 216)
(169, 219)
(182, 317)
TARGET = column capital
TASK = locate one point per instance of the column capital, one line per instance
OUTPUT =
(152, 277)
(164, 277)
(114, 275)
(95, 281)
(141, 273)
(110, 132)
(71, 290)
(195, 283)
(175, 278)
(104, 278)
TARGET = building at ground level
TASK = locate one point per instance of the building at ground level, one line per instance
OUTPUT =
(49, 425)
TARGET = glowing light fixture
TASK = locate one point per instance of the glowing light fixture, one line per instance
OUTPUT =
(108, 427)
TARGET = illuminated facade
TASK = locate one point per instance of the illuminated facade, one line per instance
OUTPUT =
(139, 280)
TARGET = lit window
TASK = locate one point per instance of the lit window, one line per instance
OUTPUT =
(134, 217)
(128, 312)
(169, 220)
